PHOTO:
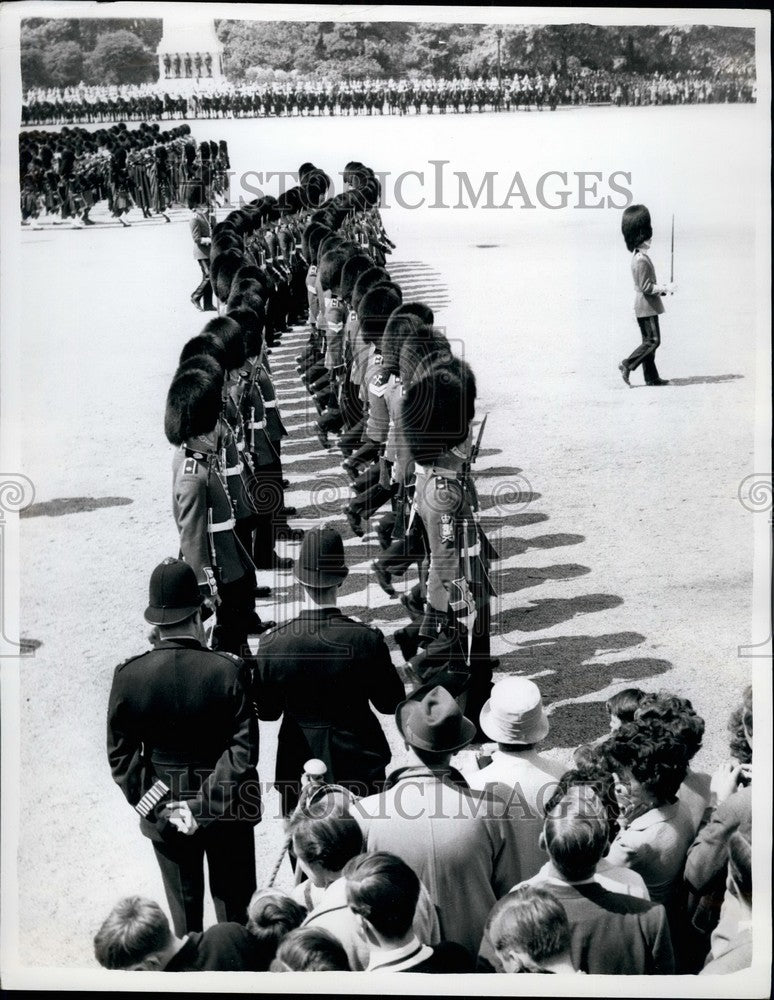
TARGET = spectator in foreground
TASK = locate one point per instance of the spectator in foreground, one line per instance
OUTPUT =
(710, 905)
(382, 892)
(136, 936)
(310, 949)
(323, 847)
(610, 933)
(738, 954)
(649, 767)
(679, 716)
(530, 932)
(615, 878)
(460, 843)
(515, 719)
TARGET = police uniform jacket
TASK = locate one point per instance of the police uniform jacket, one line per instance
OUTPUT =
(320, 671)
(200, 229)
(182, 714)
(208, 544)
(646, 302)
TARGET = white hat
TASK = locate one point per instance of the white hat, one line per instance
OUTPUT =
(514, 713)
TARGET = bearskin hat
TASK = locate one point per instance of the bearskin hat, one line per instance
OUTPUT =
(329, 243)
(203, 344)
(402, 324)
(424, 344)
(223, 147)
(222, 272)
(393, 285)
(437, 409)
(290, 201)
(229, 333)
(331, 263)
(204, 150)
(312, 238)
(354, 267)
(193, 405)
(636, 226)
(305, 169)
(252, 327)
(374, 310)
(365, 281)
(206, 362)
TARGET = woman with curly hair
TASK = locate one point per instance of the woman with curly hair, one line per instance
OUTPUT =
(679, 716)
(656, 829)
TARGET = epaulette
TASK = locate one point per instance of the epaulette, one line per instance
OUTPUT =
(190, 467)
(131, 659)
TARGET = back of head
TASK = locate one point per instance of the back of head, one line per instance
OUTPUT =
(623, 704)
(740, 727)
(424, 346)
(636, 226)
(678, 715)
(384, 890)
(310, 949)
(327, 841)
(135, 929)
(530, 921)
(271, 914)
(652, 753)
(251, 324)
(576, 833)
(356, 265)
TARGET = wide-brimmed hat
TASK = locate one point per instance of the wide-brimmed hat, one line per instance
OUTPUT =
(321, 562)
(430, 719)
(514, 712)
(173, 593)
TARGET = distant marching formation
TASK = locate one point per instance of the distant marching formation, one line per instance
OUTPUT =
(381, 378)
(520, 91)
(65, 174)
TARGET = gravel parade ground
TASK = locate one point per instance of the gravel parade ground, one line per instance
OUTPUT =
(626, 554)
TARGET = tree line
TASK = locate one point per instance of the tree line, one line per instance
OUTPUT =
(62, 52)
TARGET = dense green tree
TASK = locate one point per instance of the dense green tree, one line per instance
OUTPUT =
(120, 57)
(64, 63)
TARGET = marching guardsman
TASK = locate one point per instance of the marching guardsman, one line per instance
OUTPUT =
(436, 417)
(203, 510)
(201, 235)
(182, 743)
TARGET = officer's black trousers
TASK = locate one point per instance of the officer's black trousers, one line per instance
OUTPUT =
(204, 288)
(645, 354)
(237, 602)
(229, 846)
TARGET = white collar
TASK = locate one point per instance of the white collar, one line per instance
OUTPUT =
(392, 959)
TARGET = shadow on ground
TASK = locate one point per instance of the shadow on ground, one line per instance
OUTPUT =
(72, 505)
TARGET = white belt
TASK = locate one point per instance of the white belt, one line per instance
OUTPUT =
(256, 425)
(234, 470)
(270, 404)
(474, 550)
(431, 470)
(222, 526)
(312, 289)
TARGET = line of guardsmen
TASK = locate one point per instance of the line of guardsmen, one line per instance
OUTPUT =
(386, 381)
(67, 173)
(381, 376)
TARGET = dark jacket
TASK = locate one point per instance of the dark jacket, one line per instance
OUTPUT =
(226, 947)
(320, 671)
(182, 714)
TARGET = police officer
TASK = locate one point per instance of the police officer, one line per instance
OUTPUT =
(182, 742)
(321, 672)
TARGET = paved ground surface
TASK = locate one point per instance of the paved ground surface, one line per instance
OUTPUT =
(626, 553)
